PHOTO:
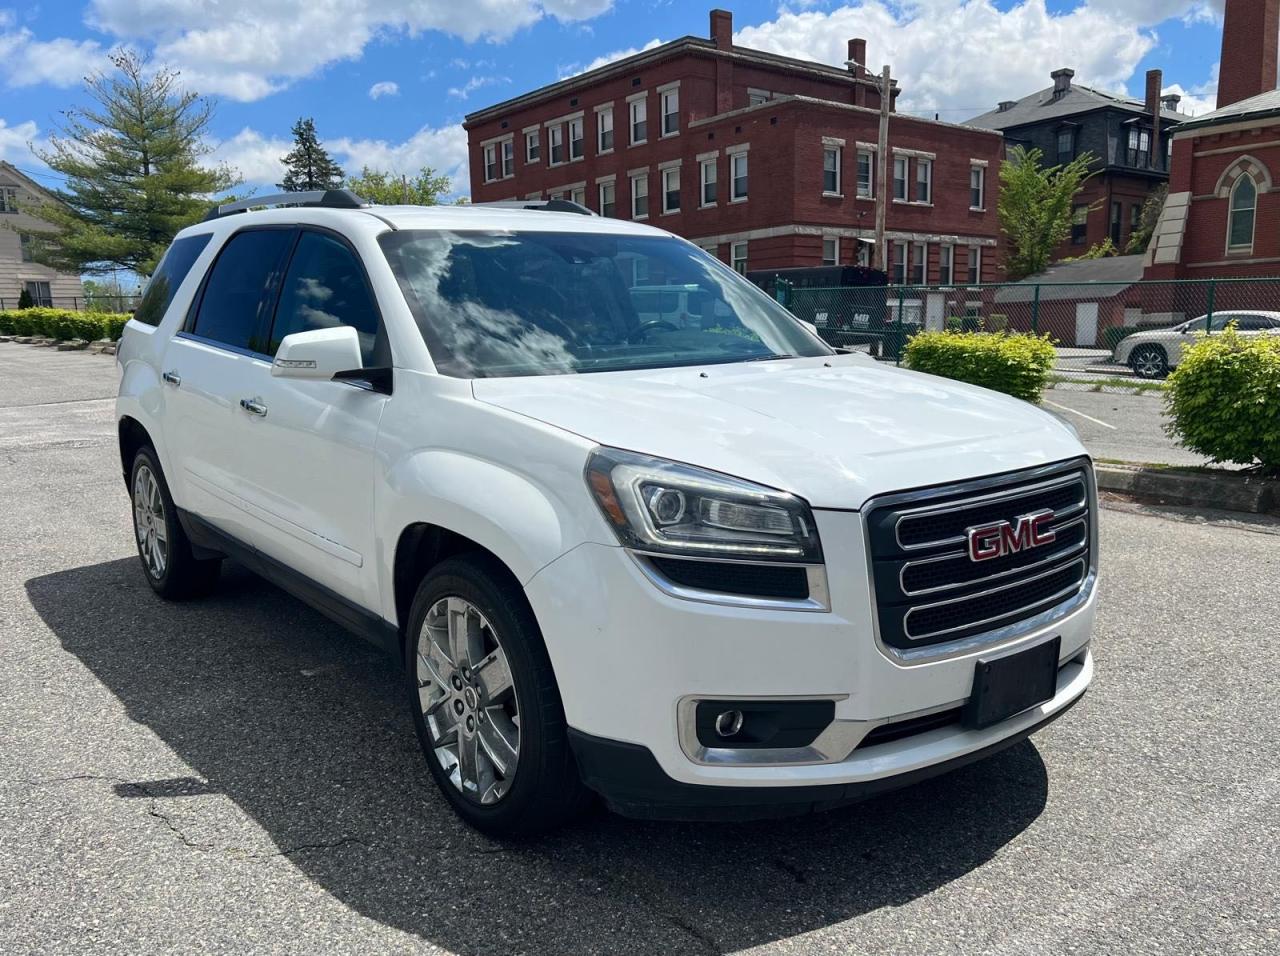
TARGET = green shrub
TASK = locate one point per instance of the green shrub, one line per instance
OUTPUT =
(1016, 364)
(62, 324)
(1224, 399)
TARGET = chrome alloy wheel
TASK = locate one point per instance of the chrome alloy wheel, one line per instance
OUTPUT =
(1149, 363)
(149, 522)
(468, 700)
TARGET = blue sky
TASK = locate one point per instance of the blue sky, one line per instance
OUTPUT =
(388, 81)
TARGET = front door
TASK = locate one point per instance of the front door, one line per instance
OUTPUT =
(308, 459)
(1086, 324)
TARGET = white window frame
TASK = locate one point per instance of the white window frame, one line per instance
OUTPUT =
(611, 185)
(904, 179)
(638, 112)
(704, 165)
(835, 152)
(669, 97)
(835, 251)
(981, 174)
(636, 178)
(738, 254)
(555, 132)
(734, 195)
(757, 97)
(532, 145)
(946, 264)
(924, 166)
(491, 163)
(508, 158)
(9, 200)
(578, 142)
(578, 194)
(922, 250)
(605, 114)
(870, 191)
(975, 265)
(666, 173)
(864, 254)
(898, 262)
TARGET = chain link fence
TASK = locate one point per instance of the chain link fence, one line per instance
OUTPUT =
(1086, 321)
(82, 303)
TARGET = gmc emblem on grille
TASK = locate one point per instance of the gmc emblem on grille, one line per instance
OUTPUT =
(989, 541)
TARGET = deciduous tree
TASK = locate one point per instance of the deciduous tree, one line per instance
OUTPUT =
(387, 189)
(1035, 207)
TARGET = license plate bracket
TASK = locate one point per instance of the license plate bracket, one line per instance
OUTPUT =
(1007, 685)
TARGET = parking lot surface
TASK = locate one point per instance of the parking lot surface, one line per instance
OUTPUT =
(238, 775)
(1120, 427)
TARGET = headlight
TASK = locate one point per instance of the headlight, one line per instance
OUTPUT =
(671, 508)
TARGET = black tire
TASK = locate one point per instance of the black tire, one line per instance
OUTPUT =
(181, 575)
(1149, 361)
(546, 790)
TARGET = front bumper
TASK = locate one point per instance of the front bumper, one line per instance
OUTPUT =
(628, 655)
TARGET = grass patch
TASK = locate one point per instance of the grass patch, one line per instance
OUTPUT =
(1141, 386)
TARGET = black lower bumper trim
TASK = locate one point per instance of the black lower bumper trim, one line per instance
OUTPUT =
(633, 784)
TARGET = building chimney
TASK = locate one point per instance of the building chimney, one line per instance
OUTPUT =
(1250, 32)
(1152, 105)
(1062, 80)
(722, 28)
(857, 61)
(1005, 105)
(1170, 102)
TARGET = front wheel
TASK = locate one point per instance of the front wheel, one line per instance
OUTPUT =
(485, 702)
(1149, 361)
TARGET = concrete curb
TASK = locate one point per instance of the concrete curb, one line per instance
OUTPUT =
(1225, 490)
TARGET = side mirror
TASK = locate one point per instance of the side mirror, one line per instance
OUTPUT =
(318, 353)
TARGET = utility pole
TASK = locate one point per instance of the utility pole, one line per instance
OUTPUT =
(404, 188)
(881, 259)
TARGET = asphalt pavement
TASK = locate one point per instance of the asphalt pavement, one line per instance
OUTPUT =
(1120, 427)
(238, 775)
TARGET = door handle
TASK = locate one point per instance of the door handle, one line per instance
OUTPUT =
(173, 378)
(253, 406)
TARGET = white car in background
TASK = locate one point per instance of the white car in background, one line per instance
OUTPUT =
(1153, 353)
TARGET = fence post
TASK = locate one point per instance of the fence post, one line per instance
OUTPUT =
(1035, 311)
(1208, 316)
(898, 343)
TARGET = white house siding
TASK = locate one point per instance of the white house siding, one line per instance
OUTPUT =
(14, 273)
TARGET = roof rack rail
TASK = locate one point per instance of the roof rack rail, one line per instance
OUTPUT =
(545, 205)
(324, 198)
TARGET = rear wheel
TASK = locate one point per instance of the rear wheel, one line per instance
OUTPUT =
(485, 702)
(171, 569)
(1149, 361)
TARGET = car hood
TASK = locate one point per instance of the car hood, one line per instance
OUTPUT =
(835, 431)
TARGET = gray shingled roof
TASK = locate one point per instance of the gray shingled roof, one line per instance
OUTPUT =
(1260, 105)
(1087, 279)
(1041, 105)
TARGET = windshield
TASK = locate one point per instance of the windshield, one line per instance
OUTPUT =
(541, 303)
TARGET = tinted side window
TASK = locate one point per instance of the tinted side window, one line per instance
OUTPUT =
(1252, 323)
(233, 297)
(173, 268)
(324, 288)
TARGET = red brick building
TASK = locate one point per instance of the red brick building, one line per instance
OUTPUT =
(765, 160)
(1222, 217)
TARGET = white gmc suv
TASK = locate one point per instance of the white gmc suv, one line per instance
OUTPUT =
(690, 559)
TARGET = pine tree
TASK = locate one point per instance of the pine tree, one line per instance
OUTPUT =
(308, 165)
(132, 172)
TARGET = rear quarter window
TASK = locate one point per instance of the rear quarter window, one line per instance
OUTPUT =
(163, 285)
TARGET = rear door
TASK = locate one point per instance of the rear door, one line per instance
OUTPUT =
(306, 465)
(217, 359)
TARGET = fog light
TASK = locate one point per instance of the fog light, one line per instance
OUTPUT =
(728, 723)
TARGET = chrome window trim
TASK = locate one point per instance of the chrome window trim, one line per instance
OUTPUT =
(1022, 491)
(955, 555)
(819, 598)
(1000, 637)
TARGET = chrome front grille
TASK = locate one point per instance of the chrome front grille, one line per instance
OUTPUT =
(928, 591)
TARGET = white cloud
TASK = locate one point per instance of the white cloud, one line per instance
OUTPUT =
(247, 49)
(14, 142)
(573, 69)
(385, 88)
(254, 156)
(26, 61)
(1199, 99)
(960, 57)
(475, 83)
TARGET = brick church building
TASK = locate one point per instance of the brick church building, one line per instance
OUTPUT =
(766, 161)
(1222, 217)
